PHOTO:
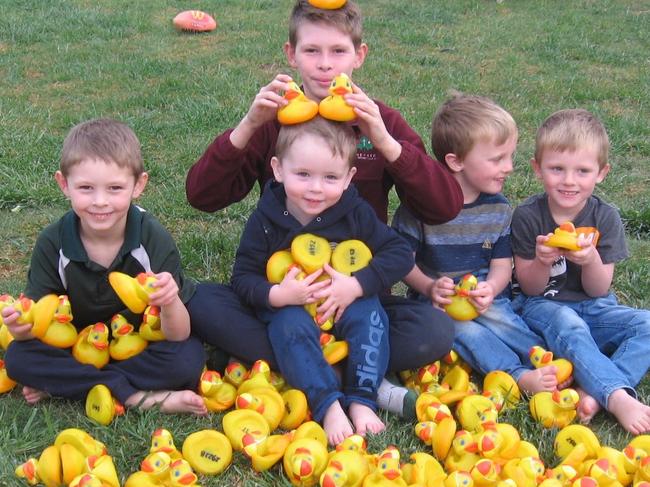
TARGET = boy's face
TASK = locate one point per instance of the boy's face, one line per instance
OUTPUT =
(314, 179)
(322, 52)
(569, 179)
(100, 194)
(485, 167)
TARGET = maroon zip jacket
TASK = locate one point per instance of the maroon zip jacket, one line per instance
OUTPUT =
(224, 174)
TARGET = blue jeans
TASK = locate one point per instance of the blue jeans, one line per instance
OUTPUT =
(608, 344)
(496, 340)
(296, 346)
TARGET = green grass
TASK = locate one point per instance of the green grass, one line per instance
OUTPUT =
(65, 61)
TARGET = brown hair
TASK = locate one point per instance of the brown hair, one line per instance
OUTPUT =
(102, 139)
(570, 130)
(463, 120)
(340, 137)
(347, 19)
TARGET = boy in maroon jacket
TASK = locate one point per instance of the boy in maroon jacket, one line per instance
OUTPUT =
(323, 44)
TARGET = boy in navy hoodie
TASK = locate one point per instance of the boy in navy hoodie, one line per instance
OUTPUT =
(311, 193)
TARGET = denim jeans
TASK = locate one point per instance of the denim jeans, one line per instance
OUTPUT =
(496, 340)
(608, 344)
(296, 346)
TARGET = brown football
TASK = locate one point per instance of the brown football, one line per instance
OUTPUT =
(194, 21)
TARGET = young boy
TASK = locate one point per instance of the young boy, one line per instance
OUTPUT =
(567, 296)
(323, 44)
(310, 194)
(477, 139)
(101, 172)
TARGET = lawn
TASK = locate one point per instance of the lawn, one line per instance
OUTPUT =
(65, 61)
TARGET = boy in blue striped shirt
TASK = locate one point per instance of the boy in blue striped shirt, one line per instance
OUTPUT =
(476, 138)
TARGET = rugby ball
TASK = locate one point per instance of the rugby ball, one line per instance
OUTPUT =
(194, 21)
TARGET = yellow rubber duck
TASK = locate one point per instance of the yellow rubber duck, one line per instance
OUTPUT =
(81, 441)
(460, 478)
(299, 109)
(554, 409)
(345, 468)
(5, 336)
(387, 472)
(564, 474)
(181, 474)
(526, 472)
(150, 328)
(86, 480)
(91, 346)
(605, 473)
(350, 256)
(268, 452)
(502, 389)
(6, 382)
(474, 410)
(428, 373)
(244, 426)
(235, 373)
(310, 252)
(103, 468)
(48, 467)
(266, 401)
(141, 479)
(569, 437)
(334, 107)
(278, 265)
(133, 291)
(38, 313)
(327, 4)
(296, 409)
(61, 333)
(485, 473)
(209, 451)
(27, 471)
(162, 440)
(632, 458)
(619, 462)
(304, 461)
(217, 394)
(333, 350)
(566, 236)
(540, 357)
(460, 308)
(73, 463)
(101, 406)
(429, 408)
(156, 465)
(126, 342)
(439, 435)
(423, 470)
(463, 454)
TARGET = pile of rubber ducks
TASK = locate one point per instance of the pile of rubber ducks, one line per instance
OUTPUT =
(75, 459)
(301, 109)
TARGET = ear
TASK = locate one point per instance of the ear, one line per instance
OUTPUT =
(276, 165)
(62, 182)
(602, 173)
(290, 53)
(453, 162)
(140, 184)
(362, 52)
(351, 173)
(537, 169)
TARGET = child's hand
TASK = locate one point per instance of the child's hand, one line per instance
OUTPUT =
(19, 332)
(482, 296)
(294, 291)
(545, 254)
(441, 290)
(372, 125)
(267, 101)
(587, 254)
(166, 290)
(341, 292)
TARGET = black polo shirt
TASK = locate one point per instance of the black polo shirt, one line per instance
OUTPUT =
(60, 265)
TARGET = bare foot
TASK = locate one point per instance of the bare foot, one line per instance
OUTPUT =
(365, 420)
(538, 380)
(633, 415)
(336, 424)
(32, 396)
(169, 401)
(587, 407)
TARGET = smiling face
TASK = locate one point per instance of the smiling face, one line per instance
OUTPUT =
(569, 178)
(485, 167)
(314, 178)
(100, 194)
(320, 53)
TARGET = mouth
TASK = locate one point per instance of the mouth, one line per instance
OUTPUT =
(568, 193)
(100, 216)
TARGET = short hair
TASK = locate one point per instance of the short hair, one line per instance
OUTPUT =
(570, 130)
(347, 19)
(339, 136)
(102, 139)
(463, 120)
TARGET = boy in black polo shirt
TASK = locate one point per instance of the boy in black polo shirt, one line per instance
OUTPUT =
(101, 173)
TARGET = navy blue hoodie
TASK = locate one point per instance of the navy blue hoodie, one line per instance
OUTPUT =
(271, 228)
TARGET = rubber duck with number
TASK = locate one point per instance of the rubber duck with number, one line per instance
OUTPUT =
(91, 346)
(208, 451)
(101, 406)
(299, 108)
(460, 308)
(541, 357)
(334, 107)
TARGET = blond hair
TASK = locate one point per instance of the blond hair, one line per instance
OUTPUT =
(102, 139)
(464, 120)
(339, 137)
(347, 19)
(570, 130)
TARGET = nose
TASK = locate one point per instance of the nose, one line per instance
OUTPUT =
(316, 184)
(324, 62)
(569, 177)
(99, 198)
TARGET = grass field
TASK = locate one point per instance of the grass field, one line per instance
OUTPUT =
(65, 61)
